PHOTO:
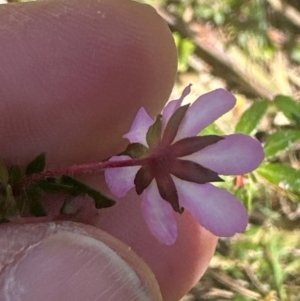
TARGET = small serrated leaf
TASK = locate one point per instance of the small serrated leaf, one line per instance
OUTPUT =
(34, 203)
(53, 185)
(15, 175)
(11, 206)
(101, 201)
(249, 121)
(37, 165)
(37, 208)
(280, 141)
(282, 175)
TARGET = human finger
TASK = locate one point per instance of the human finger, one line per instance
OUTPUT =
(74, 73)
(70, 262)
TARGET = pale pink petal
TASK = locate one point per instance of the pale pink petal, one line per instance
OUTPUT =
(236, 154)
(173, 105)
(205, 110)
(215, 209)
(121, 179)
(158, 215)
(139, 127)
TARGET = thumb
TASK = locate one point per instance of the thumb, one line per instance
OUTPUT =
(70, 261)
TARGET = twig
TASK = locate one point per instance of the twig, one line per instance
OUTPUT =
(232, 284)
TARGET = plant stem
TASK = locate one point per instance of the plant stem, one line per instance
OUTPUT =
(81, 169)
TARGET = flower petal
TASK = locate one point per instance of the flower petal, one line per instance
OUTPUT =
(236, 154)
(215, 209)
(139, 127)
(206, 109)
(120, 179)
(173, 105)
(158, 215)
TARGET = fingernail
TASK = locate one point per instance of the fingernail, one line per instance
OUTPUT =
(70, 266)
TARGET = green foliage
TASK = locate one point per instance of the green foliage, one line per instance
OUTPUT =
(19, 195)
(284, 176)
(15, 175)
(246, 22)
(278, 146)
(212, 129)
(268, 251)
(37, 165)
(185, 48)
(249, 121)
(289, 107)
(7, 201)
(295, 52)
(280, 141)
(77, 188)
(31, 198)
(267, 254)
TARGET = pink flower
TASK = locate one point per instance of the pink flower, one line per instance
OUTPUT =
(179, 166)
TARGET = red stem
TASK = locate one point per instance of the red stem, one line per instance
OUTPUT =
(81, 169)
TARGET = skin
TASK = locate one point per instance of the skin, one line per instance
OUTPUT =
(73, 75)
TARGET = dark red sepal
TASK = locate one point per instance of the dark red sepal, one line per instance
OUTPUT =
(167, 190)
(193, 172)
(190, 145)
(173, 124)
(142, 179)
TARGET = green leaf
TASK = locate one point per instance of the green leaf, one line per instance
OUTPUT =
(289, 107)
(101, 201)
(35, 206)
(280, 141)
(249, 121)
(15, 175)
(10, 203)
(54, 185)
(37, 165)
(185, 48)
(282, 175)
(212, 129)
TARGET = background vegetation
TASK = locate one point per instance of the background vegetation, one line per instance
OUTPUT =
(251, 48)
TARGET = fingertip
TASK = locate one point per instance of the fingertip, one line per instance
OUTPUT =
(74, 74)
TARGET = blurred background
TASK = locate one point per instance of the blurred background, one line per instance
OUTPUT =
(252, 48)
